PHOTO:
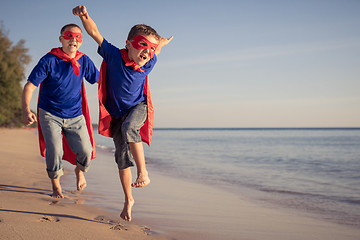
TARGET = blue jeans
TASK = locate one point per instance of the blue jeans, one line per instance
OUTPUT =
(75, 131)
(127, 129)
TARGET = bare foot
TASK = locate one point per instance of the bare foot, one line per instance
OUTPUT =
(80, 179)
(57, 191)
(142, 180)
(126, 212)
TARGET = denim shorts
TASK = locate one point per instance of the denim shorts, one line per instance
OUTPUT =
(126, 129)
(76, 133)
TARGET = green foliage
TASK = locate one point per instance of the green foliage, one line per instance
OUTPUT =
(13, 59)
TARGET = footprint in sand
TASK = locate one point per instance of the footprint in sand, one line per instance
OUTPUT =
(102, 219)
(48, 219)
(147, 230)
(107, 220)
(118, 227)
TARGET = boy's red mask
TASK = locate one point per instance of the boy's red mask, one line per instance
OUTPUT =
(136, 43)
(69, 35)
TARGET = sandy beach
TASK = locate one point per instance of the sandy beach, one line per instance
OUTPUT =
(28, 212)
(175, 208)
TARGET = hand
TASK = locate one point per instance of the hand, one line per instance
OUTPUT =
(164, 41)
(29, 118)
(80, 11)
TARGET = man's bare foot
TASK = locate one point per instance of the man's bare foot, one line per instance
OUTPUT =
(126, 212)
(142, 180)
(57, 191)
(80, 179)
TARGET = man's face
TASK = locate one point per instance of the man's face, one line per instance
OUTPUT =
(71, 40)
(141, 49)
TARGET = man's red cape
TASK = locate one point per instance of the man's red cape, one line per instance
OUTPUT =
(68, 153)
(105, 118)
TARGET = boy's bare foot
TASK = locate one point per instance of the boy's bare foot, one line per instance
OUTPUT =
(142, 180)
(80, 179)
(57, 191)
(126, 212)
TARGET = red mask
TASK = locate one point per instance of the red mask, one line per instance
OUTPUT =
(140, 42)
(69, 35)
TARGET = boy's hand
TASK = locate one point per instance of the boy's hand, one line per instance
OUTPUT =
(80, 11)
(88, 23)
(162, 42)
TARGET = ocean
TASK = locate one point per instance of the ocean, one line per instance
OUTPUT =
(315, 171)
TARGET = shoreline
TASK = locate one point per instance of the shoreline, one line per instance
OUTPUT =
(173, 208)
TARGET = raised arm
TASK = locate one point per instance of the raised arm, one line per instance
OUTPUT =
(88, 23)
(162, 43)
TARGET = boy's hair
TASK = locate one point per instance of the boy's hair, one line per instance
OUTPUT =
(70, 25)
(142, 29)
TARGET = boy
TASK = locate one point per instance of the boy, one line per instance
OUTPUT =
(62, 106)
(128, 100)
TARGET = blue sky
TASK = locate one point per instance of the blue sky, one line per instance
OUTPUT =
(230, 64)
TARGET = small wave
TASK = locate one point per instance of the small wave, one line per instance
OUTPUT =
(343, 199)
(288, 192)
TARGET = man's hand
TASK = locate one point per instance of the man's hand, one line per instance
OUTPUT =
(29, 118)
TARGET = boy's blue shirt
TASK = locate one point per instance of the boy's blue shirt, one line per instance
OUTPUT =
(60, 89)
(124, 85)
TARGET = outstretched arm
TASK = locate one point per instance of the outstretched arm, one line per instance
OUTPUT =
(162, 43)
(88, 23)
(28, 116)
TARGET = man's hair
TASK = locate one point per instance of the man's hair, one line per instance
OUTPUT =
(142, 29)
(70, 25)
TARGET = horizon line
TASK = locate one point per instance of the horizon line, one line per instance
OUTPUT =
(224, 128)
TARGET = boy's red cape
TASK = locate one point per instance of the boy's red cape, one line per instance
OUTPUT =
(104, 116)
(68, 153)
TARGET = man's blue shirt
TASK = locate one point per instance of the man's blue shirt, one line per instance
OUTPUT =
(60, 88)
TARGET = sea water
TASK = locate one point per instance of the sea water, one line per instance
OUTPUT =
(313, 170)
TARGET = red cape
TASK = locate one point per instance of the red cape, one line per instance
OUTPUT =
(105, 118)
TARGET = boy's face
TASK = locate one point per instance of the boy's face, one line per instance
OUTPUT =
(71, 40)
(142, 56)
